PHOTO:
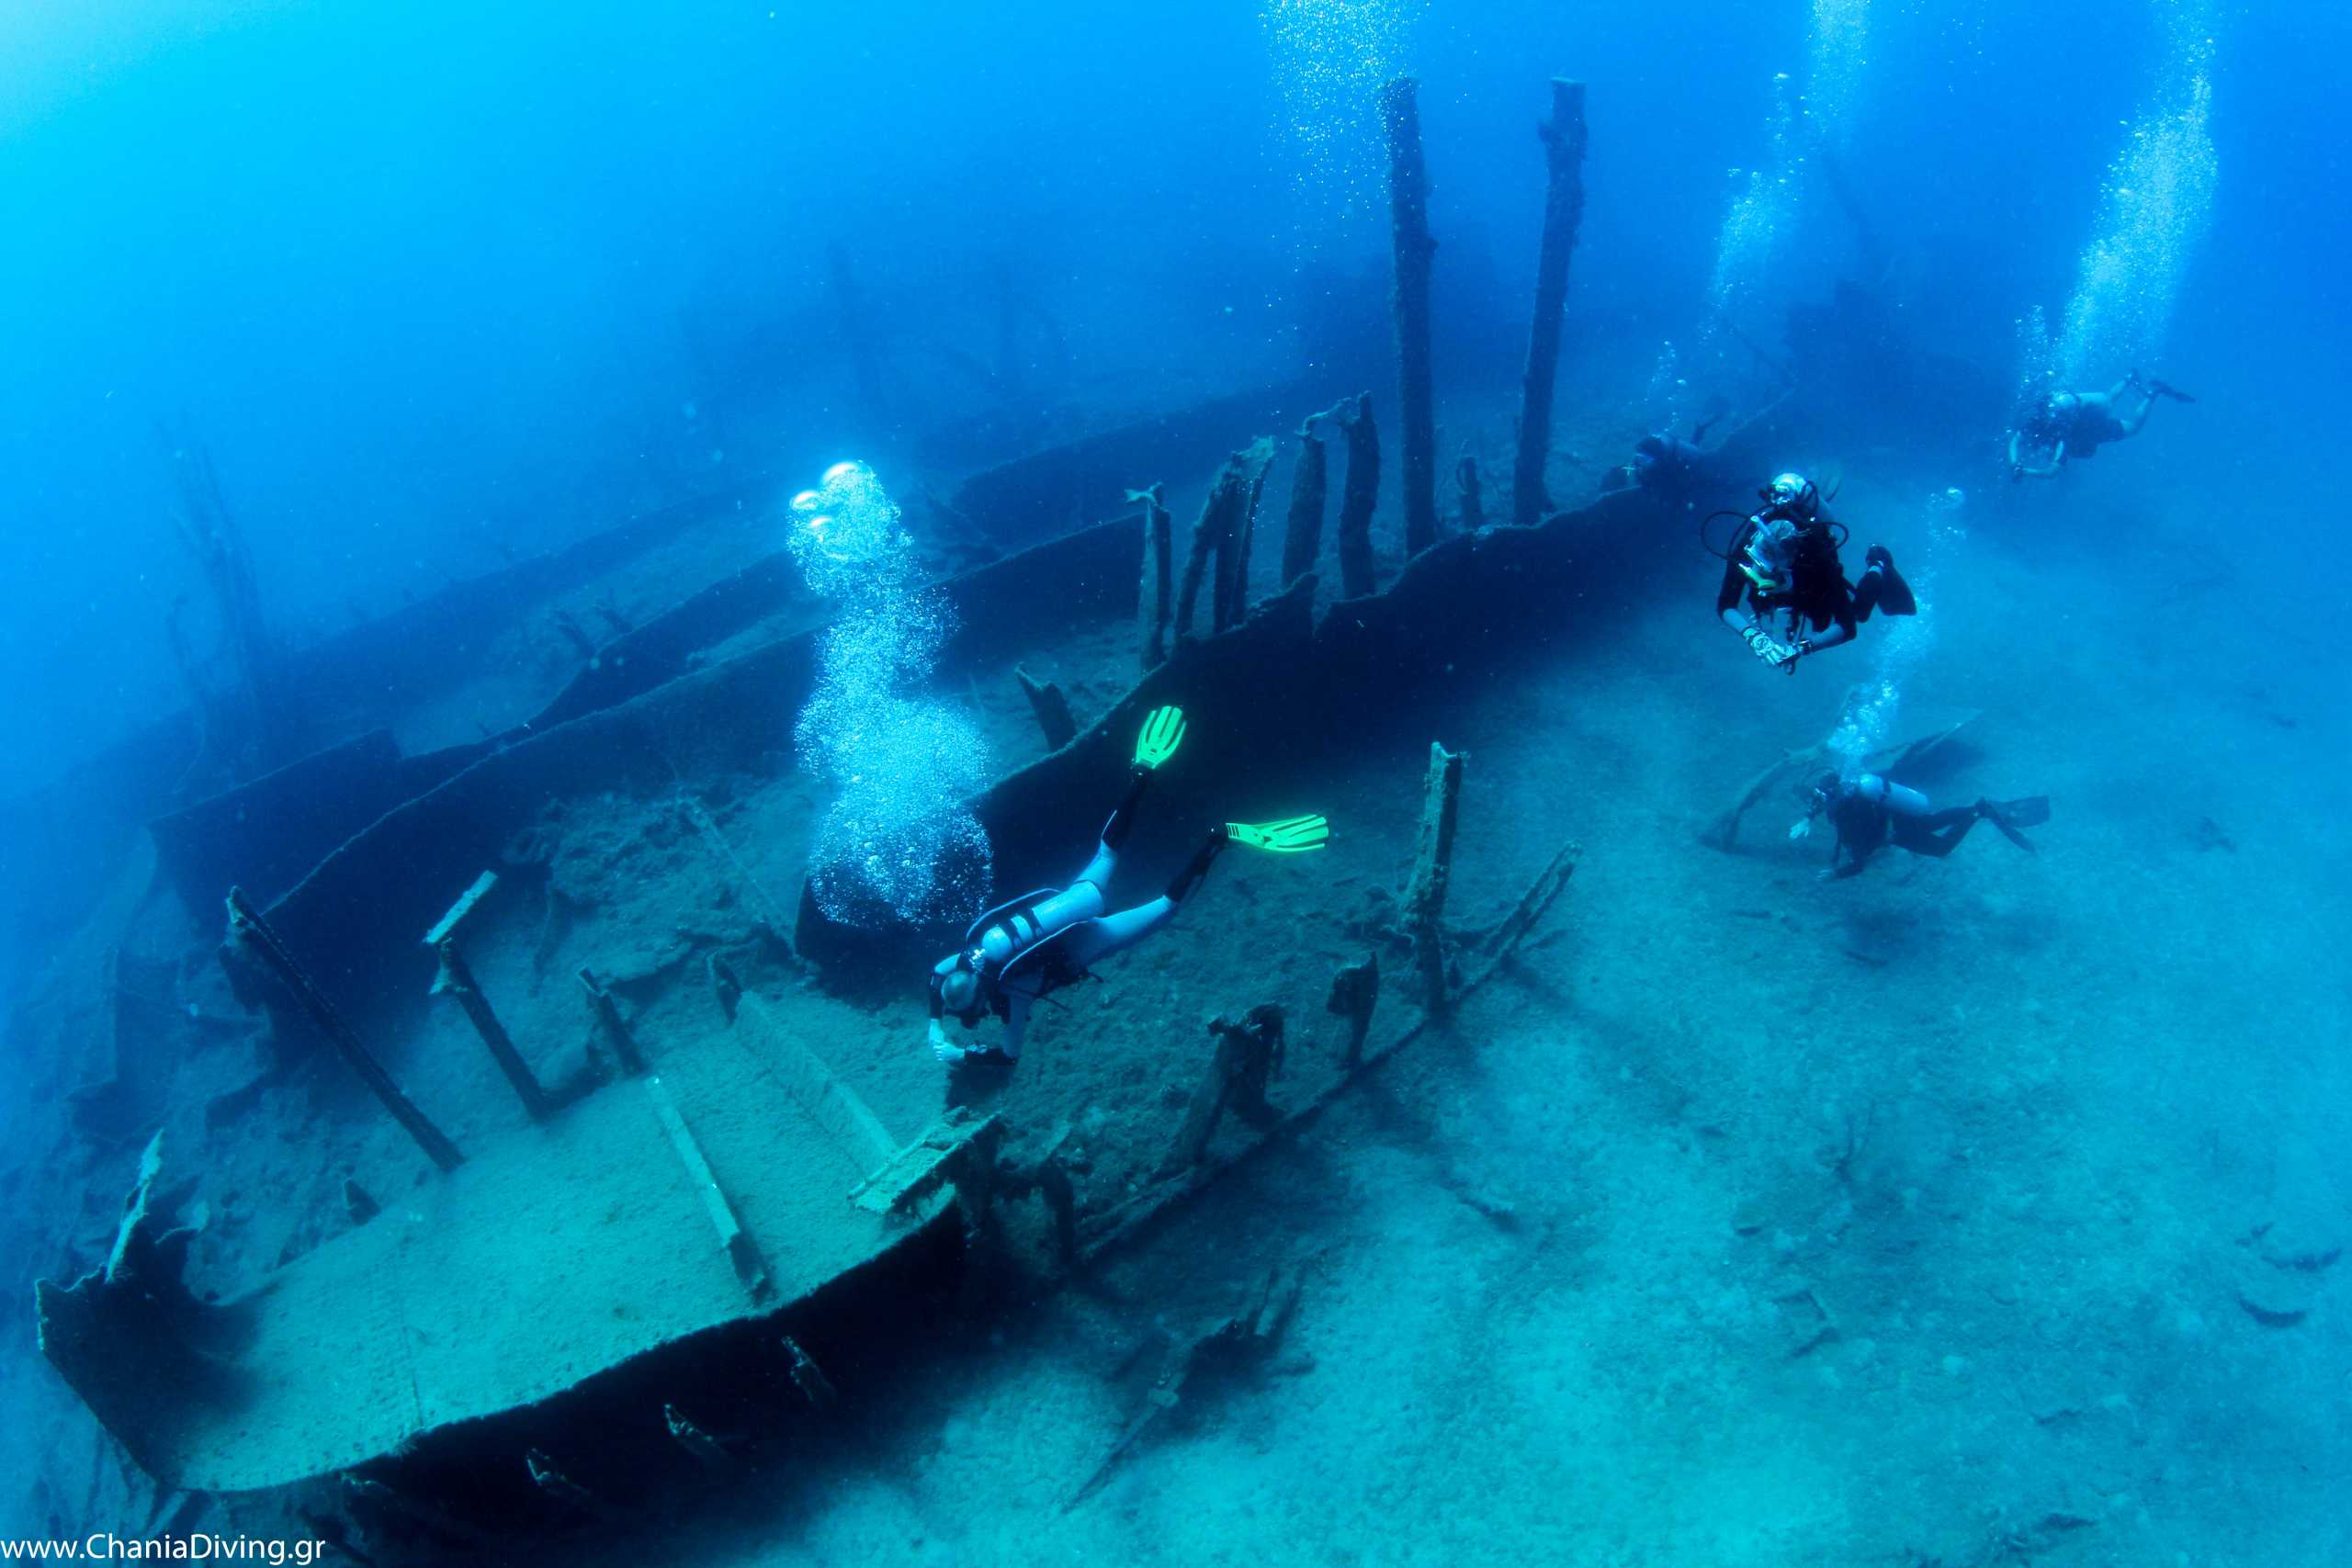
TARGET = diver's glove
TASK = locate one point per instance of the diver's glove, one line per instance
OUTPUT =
(1802, 827)
(1771, 652)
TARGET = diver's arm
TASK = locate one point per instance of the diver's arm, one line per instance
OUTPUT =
(1727, 596)
(946, 1049)
(1739, 618)
(1849, 854)
(1016, 1025)
(2024, 469)
(1841, 631)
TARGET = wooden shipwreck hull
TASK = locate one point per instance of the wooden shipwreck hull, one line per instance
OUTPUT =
(680, 1220)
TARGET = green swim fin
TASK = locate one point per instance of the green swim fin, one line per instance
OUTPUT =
(1163, 731)
(1291, 836)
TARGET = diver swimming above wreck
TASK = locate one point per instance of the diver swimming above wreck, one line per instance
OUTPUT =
(1783, 562)
(1043, 940)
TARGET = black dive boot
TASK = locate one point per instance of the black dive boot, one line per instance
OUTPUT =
(1198, 867)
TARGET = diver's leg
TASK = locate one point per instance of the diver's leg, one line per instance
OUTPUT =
(1114, 832)
(1882, 587)
(1935, 836)
(1101, 937)
(1116, 932)
(2128, 426)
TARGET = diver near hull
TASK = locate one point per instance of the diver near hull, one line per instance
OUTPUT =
(1784, 591)
(1039, 942)
(2076, 424)
(1869, 813)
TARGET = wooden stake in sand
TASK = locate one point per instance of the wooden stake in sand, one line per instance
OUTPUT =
(1408, 215)
(1564, 139)
(1432, 870)
(245, 925)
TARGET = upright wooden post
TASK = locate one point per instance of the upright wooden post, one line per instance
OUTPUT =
(1310, 483)
(246, 925)
(456, 977)
(1564, 138)
(1159, 562)
(1408, 191)
(1359, 497)
(1434, 872)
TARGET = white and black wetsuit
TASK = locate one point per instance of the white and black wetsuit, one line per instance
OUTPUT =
(1043, 940)
(1869, 812)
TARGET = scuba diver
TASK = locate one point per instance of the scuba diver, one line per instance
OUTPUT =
(1043, 940)
(1869, 812)
(2076, 424)
(1783, 562)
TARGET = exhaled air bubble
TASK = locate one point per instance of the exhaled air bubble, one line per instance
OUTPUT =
(901, 764)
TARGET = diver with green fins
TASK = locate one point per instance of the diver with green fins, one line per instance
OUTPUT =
(1782, 575)
(1043, 940)
(1870, 812)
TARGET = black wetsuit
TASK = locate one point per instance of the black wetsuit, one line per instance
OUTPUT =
(1816, 593)
(1870, 813)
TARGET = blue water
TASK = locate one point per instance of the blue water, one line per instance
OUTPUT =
(439, 289)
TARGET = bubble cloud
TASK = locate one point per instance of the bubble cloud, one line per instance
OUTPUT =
(895, 844)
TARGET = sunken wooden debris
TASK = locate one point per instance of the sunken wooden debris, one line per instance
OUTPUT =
(1408, 196)
(807, 1376)
(1051, 707)
(700, 1445)
(249, 931)
(127, 1333)
(608, 1018)
(1116, 1227)
(1192, 1372)
(1221, 536)
(1564, 141)
(1355, 991)
(1160, 567)
(1358, 497)
(1246, 1055)
(457, 979)
(1424, 908)
(733, 1239)
(1471, 491)
(1310, 485)
(908, 1175)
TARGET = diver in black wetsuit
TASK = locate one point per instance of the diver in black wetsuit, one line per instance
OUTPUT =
(1869, 813)
(1784, 563)
(1043, 940)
